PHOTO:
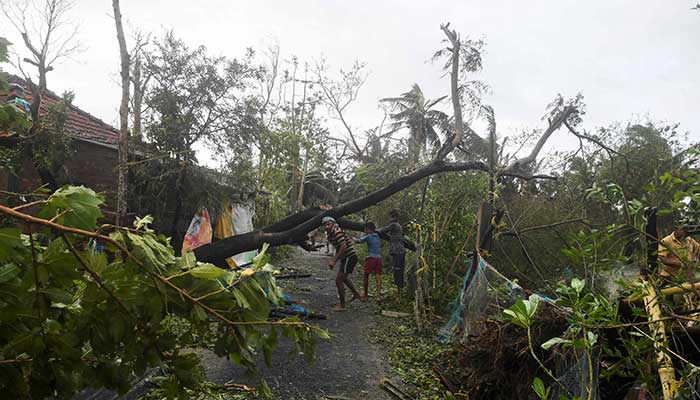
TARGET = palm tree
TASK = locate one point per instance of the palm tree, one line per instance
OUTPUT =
(411, 111)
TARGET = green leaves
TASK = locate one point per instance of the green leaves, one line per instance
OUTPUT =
(147, 247)
(207, 271)
(578, 284)
(142, 223)
(522, 313)
(75, 206)
(554, 341)
(10, 242)
(539, 388)
(4, 44)
(8, 272)
(88, 318)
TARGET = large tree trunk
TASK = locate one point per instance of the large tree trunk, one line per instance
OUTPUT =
(122, 185)
(293, 229)
(138, 98)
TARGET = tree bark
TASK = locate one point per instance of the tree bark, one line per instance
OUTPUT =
(292, 230)
(122, 185)
(554, 124)
(138, 98)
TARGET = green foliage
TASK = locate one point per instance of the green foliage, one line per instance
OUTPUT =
(585, 312)
(413, 112)
(72, 317)
(11, 119)
(540, 390)
(411, 356)
(447, 231)
(4, 45)
(194, 96)
(166, 388)
(74, 206)
(522, 313)
(50, 146)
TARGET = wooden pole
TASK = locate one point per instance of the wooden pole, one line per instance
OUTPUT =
(669, 291)
(667, 373)
(664, 363)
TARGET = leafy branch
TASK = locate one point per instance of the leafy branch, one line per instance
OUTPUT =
(75, 288)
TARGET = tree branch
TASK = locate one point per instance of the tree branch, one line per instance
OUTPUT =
(294, 228)
(513, 232)
(554, 124)
(66, 229)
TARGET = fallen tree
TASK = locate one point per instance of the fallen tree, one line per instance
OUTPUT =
(293, 229)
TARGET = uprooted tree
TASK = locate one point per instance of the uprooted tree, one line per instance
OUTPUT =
(463, 57)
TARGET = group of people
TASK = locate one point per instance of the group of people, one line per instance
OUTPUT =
(678, 253)
(345, 257)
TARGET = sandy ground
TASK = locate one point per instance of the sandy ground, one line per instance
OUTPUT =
(348, 367)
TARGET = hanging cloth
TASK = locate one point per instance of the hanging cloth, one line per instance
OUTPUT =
(242, 221)
(199, 232)
(224, 227)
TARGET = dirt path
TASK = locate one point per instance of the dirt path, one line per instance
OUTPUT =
(349, 367)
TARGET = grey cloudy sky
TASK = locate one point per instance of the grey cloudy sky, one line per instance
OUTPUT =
(630, 59)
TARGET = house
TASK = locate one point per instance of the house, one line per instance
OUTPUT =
(94, 161)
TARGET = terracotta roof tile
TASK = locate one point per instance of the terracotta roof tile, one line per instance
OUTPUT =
(80, 124)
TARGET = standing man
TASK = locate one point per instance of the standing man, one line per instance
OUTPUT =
(373, 262)
(345, 259)
(396, 249)
(678, 252)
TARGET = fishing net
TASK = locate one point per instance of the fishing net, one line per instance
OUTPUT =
(484, 293)
(577, 377)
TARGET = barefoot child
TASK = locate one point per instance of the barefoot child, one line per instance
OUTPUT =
(373, 262)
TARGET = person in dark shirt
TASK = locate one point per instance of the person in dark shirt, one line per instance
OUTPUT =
(396, 248)
(373, 262)
(345, 259)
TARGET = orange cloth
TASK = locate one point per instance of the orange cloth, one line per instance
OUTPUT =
(199, 232)
(224, 228)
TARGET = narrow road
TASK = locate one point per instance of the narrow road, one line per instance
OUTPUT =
(348, 367)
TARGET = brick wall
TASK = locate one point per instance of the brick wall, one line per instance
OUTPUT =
(91, 165)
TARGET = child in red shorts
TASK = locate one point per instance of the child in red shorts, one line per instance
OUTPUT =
(373, 262)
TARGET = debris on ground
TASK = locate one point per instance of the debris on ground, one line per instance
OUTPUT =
(392, 389)
(411, 355)
(497, 364)
(292, 276)
(395, 314)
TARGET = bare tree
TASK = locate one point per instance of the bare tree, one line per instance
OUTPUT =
(339, 94)
(122, 185)
(139, 81)
(50, 36)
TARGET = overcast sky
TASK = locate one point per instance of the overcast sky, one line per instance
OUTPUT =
(630, 59)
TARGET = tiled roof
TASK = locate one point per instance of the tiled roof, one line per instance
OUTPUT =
(80, 124)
